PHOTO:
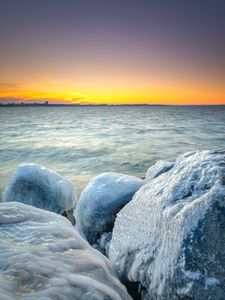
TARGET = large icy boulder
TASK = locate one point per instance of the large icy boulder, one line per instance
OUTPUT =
(38, 186)
(100, 201)
(171, 237)
(42, 257)
(160, 167)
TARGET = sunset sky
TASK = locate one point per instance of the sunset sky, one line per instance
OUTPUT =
(112, 51)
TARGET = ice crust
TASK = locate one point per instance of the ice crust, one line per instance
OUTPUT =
(38, 186)
(42, 257)
(99, 203)
(157, 169)
(172, 228)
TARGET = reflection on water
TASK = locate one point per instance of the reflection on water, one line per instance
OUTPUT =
(80, 142)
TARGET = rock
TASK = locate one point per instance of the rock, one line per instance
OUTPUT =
(99, 203)
(157, 169)
(42, 257)
(38, 186)
(170, 238)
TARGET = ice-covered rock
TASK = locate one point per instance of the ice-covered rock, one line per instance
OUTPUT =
(42, 257)
(99, 203)
(158, 168)
(171, 237)
(38, 186)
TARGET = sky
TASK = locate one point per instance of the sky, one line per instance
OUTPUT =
(112, 52)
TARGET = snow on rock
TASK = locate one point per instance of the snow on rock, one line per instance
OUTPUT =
(40, 187)
(170, 238)
(42, 257)
(99, 203)
(157, 169)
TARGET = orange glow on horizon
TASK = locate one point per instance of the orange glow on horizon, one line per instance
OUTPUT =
(156, 79)
(113, 95)
(122, 87)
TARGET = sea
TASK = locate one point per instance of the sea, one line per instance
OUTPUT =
(80, 142)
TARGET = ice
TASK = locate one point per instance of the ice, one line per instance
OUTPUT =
(40, 187)
(157, 169)
(99, 203)
(42, 257)
(211, 281)
(174, 227)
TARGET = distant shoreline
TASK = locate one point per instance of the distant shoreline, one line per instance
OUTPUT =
(95, 105)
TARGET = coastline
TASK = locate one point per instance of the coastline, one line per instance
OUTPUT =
(150, 231)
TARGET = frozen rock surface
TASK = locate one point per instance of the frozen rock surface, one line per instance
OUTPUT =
(171, 237)
(38, 186)
(42, 257)
(99, 203)
(157, 169)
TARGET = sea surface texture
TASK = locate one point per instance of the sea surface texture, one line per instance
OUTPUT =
(81, 142)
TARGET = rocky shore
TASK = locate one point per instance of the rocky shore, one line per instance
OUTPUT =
(162, 237)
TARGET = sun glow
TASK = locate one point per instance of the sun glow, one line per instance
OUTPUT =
(97, 92)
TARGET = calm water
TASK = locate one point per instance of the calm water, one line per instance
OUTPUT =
(80, 142)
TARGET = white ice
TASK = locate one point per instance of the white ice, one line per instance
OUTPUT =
(149, 231)
(42, 257)
(157, 169)
(100, 201)
(38, 186)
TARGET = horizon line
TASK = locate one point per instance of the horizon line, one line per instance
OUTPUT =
(46, 104)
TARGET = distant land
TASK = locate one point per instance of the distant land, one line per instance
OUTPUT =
(47, 104)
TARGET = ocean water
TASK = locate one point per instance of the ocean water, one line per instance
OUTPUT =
(81, 142)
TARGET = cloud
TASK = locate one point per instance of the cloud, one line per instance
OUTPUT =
(81, 98)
